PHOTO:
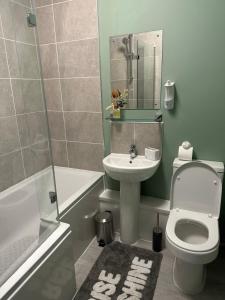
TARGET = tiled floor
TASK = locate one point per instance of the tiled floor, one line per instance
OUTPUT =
(165, 290)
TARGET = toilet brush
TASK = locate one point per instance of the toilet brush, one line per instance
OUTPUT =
(157, 237)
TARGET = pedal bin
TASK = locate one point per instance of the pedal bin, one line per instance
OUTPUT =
(104, 227)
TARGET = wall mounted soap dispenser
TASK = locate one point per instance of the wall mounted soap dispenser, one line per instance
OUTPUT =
(169, 95)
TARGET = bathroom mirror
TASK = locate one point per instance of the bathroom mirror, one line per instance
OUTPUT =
(135, 67)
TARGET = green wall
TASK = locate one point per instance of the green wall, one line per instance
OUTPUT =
(193, 57)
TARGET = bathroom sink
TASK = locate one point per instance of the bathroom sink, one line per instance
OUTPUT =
(130, 173)
(122, 168)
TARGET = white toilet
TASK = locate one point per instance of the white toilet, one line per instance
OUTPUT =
(192, 231)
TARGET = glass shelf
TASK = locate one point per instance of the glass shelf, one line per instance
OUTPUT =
(150, 120)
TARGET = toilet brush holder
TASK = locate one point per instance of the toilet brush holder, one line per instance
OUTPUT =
(157, 237)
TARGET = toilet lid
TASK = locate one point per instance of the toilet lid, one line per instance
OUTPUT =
(196, 187)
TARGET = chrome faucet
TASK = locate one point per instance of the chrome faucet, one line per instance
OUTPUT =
(132, 151)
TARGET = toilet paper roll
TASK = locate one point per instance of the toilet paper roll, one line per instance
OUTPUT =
(185, 154)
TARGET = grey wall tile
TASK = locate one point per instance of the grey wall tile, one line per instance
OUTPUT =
(13, 59)
(1, 31)
(59, 153)
(122, 136)
(147, 135)
(117, 47)
(45, 25)
(56, 124)
(9, 135)
(74, 26)
(118, 69)
(6, 100)
(145, 69)
(79, 59)
(85, 156)
(145, 89)
(74, 20)
(32, 128)
(53, 94)
(49, 61)
(11, 167)
(3, 64)
(158, 87)
(147, 104)
(132, 104)
(23, 61)
(81, 94)
(24, 2)
(141, 134)
(19, 30)
(84, 127)
(7, 19)
(59, 1)
(28, 95)
(120, 85)
(36, 158)
(39, 3)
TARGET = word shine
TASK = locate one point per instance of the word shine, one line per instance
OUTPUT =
(133, 286)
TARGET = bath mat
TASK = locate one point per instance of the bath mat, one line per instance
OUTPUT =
(122, 272)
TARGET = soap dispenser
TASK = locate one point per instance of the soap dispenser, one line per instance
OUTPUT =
(169, 95)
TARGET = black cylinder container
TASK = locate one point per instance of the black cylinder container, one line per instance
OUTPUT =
(157, 239)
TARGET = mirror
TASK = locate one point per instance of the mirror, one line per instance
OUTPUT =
(135, 67)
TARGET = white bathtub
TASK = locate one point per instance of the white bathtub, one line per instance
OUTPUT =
(41, 273)
(24, 225)
(27, 204)
(78, 198)
(22, 210)
(30, 237)
(72, 184)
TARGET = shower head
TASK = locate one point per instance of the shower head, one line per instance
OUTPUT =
(125, 40)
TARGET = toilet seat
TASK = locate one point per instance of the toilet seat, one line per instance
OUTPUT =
(209, 222)
(196, 187)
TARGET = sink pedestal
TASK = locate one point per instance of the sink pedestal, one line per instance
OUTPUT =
(129, 211)
(130, 174)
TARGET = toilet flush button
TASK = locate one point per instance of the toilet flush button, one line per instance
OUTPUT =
(178, 177)
(215, 182)
(210, 215)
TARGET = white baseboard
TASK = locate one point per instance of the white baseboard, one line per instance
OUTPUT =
(149, 206)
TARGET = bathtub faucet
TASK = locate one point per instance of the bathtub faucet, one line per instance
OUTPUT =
(132, 151)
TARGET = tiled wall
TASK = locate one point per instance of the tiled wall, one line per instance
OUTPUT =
(23, 129)
(68, 35)
(141, 134)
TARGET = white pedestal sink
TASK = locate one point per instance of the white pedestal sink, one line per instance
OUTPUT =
(130, 173)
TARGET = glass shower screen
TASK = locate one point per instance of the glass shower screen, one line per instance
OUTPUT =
(28, 206)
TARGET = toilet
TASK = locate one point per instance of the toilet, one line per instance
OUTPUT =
(192, 230)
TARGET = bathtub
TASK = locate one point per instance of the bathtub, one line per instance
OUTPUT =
(32, 241)
(78, 201)
(48, 273)
(24, 225)
(28, 205)
(72, 184)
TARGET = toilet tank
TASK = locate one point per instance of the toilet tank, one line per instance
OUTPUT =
(218, 167)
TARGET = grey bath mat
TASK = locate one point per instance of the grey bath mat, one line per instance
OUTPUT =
(134, 272)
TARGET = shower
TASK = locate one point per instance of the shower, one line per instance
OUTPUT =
(27, 213)
(128, 42)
